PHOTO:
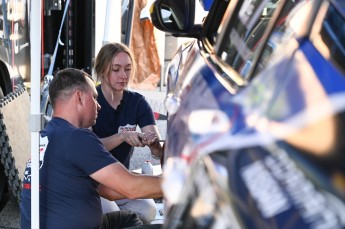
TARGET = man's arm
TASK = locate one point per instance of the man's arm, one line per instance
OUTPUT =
(125, 184)
(108, 193)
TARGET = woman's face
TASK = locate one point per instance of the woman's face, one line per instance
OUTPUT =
(120, 71)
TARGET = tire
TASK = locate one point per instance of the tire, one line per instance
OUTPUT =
(5, 79)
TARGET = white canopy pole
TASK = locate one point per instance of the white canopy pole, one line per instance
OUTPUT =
(35, 116)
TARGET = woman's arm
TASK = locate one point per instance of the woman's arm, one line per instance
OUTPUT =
(112, 141)
(151, 139)
(131, 137)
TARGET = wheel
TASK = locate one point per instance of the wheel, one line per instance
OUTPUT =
(46, 107)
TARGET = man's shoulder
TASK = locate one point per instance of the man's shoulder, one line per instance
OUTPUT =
(83, 132)
(63, 131)
(64, 128)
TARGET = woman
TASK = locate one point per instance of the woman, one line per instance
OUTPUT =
(121, 112)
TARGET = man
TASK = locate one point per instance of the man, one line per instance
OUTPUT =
(76, 169)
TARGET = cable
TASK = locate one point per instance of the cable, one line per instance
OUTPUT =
(58, 41)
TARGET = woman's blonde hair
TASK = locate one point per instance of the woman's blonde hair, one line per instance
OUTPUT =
(106, 55)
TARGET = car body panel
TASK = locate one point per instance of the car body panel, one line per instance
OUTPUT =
(257, 143)
(270, 184)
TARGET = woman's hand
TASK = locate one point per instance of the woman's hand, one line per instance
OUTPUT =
(149, 138)
(133, 138)
(152, 141)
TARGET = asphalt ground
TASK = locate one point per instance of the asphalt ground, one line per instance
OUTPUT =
(10, 213)
(9, 207)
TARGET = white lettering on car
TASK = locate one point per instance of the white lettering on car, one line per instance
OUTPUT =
(276, 184)
(264, 189)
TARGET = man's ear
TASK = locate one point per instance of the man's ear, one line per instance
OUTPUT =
(79, 97)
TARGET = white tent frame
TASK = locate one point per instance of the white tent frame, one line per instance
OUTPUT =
(35, 115)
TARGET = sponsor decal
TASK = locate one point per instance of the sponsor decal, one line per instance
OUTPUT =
(127, 127)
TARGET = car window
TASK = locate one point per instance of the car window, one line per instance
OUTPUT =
(247, 29)
(326, 36)
(243, 39)
(280, 33)
(332, 35)
(213, 21)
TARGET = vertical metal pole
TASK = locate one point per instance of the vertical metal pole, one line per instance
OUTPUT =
(160, 41)
(35, 117)
(129, 21)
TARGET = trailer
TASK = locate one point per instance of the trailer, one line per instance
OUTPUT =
(14, 97)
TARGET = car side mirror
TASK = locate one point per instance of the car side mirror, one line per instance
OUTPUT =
(175, 16)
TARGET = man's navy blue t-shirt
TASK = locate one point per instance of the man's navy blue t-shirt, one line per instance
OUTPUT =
(133, 110)
(68, 195)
